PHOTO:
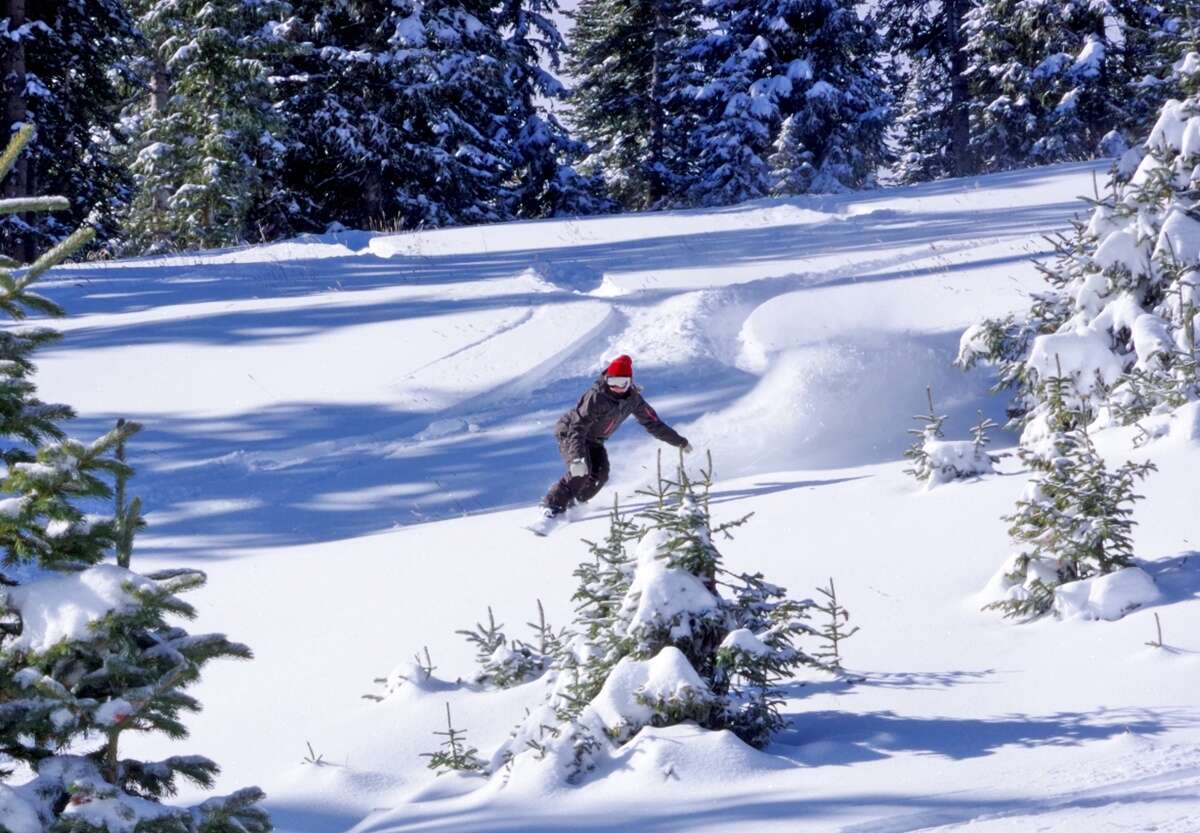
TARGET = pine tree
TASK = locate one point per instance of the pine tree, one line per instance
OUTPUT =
(929, 429)
(504, 663)
(398, 114)
(656, 642)
(1073, 522)
(70, 692)
(933, 127)
(202, 138)
(61, 59)
(1050, 81)
(545, 182)
(737, 109)
(455, 755)
(623, 56)
(839, 102)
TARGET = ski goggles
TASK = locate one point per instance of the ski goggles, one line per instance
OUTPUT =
(619, 382)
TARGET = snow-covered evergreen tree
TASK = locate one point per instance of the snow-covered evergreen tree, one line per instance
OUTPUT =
(737, 109)
(545, 179)
(624, 56)
(933, 124)
(203, 140)
(1051, 80)
(60, 62)
(398, 113)
(789, 98)
(504, 663)
(657, 641)
(86, 652)
(936, 460)
(1119, 315)
(1073, 521)
(822, 59)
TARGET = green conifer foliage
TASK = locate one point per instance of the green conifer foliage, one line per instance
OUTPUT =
(70, 694)
(623, 55)
(1075, 518)
(1123, 290)
(665, 634)
(203, 138)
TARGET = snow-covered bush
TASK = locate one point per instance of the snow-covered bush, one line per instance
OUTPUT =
(86, 652)
(1119, 316)
(936, 460)
(1072, 523)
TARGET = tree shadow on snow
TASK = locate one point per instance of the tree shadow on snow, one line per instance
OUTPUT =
(820, 738)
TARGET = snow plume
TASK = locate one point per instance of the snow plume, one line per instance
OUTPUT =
(834, 403)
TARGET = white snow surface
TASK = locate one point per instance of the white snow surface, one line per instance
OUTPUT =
(347, 433)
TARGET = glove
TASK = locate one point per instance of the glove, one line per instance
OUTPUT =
(687, 447)
(578, 467)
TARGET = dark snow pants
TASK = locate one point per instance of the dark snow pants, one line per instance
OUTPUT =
(570, 490)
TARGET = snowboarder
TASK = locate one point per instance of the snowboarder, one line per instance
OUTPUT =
(581, 433)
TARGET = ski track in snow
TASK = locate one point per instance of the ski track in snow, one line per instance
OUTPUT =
(339, 426)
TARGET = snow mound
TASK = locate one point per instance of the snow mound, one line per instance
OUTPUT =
(955, 459)
(668, 677)
(64, 607)
(1107, 597)
(687, 754)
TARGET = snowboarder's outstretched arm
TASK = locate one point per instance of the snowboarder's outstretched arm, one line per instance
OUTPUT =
(649, 420)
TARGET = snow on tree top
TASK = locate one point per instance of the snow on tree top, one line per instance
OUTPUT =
(662, 593)
(623, 699)
(63, 607)
(745, 640)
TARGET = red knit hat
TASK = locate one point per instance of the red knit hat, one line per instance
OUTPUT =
(621, 366)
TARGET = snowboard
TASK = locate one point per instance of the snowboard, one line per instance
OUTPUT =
(542, 527)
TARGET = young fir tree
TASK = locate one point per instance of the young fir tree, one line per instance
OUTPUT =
(1073, 522)
(624, 56)
(1120, 308)
(86, 652)
(929, 430)
(202, 137)
(933, 125)
(60, 62)
(505, 663)
(664, 634)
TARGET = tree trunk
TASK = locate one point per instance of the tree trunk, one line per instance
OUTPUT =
(657, 188)
(15, 111)
(160, 92)
(960, 117)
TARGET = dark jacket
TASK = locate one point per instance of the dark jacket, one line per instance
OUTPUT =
(600, 412)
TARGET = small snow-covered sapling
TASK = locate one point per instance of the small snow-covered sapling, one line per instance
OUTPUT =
(833, 630)
(486, 639)
(929, 428)
(455, 754)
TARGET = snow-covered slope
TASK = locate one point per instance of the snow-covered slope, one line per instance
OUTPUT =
(347, 433)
